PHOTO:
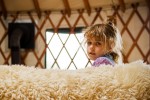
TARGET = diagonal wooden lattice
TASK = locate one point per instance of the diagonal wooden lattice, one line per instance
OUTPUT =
(39, 58)
(135, 40)
(64, 47)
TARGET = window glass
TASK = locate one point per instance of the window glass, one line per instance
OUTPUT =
(66, 50)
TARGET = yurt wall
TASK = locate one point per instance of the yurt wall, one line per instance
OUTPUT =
(133, 24)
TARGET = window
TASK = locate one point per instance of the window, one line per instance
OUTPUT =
(66, 50)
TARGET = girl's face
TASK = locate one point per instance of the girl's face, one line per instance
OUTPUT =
(95, 49)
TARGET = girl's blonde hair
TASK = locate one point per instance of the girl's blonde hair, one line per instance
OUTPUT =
(109, 34)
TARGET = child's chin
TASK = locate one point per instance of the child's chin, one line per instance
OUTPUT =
(91, 58)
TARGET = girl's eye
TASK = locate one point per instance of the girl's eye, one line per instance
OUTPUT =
(98, 43)
(89, 43)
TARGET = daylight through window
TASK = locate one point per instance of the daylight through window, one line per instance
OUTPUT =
(65, 51)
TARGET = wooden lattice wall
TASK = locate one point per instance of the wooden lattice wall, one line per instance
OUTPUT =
(134, 25)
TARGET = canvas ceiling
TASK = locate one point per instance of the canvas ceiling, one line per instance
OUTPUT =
(9, 6)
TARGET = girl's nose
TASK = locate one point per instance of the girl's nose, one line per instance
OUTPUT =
(92, 47)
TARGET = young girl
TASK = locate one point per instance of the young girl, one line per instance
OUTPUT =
(104, 44)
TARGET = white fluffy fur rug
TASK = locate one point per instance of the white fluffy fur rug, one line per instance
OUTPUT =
(122, 82)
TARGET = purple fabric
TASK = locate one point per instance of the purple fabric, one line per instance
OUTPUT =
(103, 60)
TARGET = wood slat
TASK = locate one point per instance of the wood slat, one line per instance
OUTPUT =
(97, 14)
(122, 5)
(37, 8)
(4, 10)
(67, 7)
(65, 18)
(148, 3)
(87, 6)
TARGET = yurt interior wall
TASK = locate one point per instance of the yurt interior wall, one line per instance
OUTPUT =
(132, 17)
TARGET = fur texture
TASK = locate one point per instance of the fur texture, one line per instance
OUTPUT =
(122, 82)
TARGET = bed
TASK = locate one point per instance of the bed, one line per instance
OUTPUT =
(121, 82)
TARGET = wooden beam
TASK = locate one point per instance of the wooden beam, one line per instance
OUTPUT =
(148, 3)
(0, 13)
(37, 8)
(4, 11)
(87, 6)
(122, 5)
(67, 7)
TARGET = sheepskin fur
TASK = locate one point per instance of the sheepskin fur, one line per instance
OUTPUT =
(122, 82)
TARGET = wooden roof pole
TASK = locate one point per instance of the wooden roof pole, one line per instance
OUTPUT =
(37, 7)
(67, 7)
(87, 6)
(122, 5)
(4, 11)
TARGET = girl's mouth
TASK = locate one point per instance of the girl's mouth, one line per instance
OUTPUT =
(92, 53)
